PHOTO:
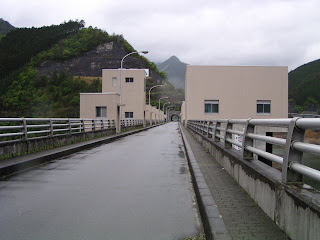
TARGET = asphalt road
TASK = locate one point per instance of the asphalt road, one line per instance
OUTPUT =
(137, 187)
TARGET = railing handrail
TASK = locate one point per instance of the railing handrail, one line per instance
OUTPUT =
(18, 129)
(294, 145)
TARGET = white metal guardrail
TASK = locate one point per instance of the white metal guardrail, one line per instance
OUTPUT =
(29, 128)
(131, 122)
(294, 146)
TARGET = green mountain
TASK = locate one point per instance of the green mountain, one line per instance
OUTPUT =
(175, 70)
(5, 27)
(43, 70)
(304, 87)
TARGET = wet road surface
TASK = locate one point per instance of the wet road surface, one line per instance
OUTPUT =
(135, 188)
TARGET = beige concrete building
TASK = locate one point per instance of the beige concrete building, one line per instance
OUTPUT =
(221, 92)
(99, 105)
(106, 104)
(133, 90)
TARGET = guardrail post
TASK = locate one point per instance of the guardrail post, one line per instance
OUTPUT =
(82, 125)
(291, 155)
(70, 129)
(218, 124)
(227, 134)
(209, 125)
(102, 124)
(93, 127)
(247, 141)
(203, 126)
(25, 129)
(51, 127)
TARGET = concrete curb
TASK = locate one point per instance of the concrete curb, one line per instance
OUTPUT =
(22, 163)
(214, 226)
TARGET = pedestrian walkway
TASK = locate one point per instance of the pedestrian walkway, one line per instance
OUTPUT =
(244, 219)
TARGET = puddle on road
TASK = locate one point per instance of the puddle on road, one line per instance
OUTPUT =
(182, 170)
(181, 154)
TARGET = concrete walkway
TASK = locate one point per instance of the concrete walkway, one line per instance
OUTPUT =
(242, 216)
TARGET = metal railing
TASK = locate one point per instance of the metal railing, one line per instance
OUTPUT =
(131, 122)
(17, 129)
(294, 146)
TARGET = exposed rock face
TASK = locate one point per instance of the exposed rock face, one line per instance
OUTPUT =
(105, 56)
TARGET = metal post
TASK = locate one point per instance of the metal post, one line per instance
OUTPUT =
(82, 125)
(51, 127)
(218, 124)
(93, 127)
(69, 127)
(25, 129)
(291, 155)
(203, 126)
(209, 125)
(227, 134)
(247, 141)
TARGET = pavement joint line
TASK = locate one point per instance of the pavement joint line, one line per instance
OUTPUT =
(15, 165)
(214, 225)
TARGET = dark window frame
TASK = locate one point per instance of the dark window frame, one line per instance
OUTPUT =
(264, 107)
(129, 79)
(99, 111)
(128, 115)
(211, 106)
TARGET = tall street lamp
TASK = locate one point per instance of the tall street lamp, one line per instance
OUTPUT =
(152, 88)
(167, 109)
(164, 105)
(144, 52)
(160, 100)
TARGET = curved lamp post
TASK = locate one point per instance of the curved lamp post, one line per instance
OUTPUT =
(144, 52)
(168, 110)
(151, 89)
(164, 105)
(160, 100)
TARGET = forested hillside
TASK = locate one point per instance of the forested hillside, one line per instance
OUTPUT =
(304, 87)
(31, 84)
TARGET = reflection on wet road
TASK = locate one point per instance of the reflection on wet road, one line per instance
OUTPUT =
(135, 188)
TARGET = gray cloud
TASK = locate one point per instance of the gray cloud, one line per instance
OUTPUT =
(211, 32)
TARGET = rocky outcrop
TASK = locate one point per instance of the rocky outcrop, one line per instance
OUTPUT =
(105, 56)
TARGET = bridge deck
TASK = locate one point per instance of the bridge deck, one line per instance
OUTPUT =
(243, 217)
(137, 187)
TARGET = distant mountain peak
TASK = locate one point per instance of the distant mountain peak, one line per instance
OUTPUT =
(175, 70)
(5, 27)
(174, 58)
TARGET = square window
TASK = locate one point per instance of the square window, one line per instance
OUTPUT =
(129, 79)
(211, 106)
(264, 107)
(128, 114)
(101, 112)
(114, 81)
(259, 108)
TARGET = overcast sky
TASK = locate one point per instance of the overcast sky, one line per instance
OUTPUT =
(202, 32)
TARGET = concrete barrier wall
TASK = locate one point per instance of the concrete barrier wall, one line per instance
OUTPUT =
(294, 209)
(22, 147)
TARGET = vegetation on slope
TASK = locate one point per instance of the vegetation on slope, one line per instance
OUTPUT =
(23, 93)
(304, 87)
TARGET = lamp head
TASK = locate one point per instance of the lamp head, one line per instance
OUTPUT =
(144, 52)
